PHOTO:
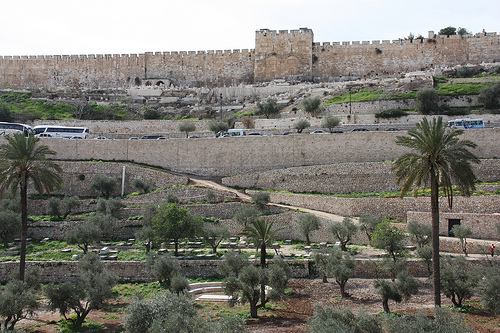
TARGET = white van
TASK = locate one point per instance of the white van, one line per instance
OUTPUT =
(231, 133)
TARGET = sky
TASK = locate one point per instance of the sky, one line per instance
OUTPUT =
(61, 27)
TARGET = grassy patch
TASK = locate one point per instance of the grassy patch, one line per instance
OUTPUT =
(369, 95)
(454, 89)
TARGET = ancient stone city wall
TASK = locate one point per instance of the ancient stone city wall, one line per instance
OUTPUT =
(234, 156)
(277, 55)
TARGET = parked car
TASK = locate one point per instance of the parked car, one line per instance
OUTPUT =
(255, 134)
(392, 129)
(98, 138)
(319, 132)
(337, 132)
(288, 133)
(359, 130)
(133, 138)
(151, 137)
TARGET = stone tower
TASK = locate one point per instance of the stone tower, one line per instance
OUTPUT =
(283, 55)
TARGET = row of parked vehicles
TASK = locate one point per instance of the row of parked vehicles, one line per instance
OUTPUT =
(45, 131)
(65, 132)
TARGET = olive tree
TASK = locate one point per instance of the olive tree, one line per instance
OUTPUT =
(19, 299)
(268, 108)
(367, 224)
(335, 264)
(214, 234)
(10, 226)
(167, 270)
(458, 282)
(402, 288)
(462, 233)
(187, 127)
(175, 313)
(92, 231)
(307, 224)
(420, 234)
(85, 293)
(301, 125)
(104, 185)
(172, 222)
(218, 126)
(343, 231)
(312, 105)
(330, 122)
(261, 199)
(61, 208)
(488, 286)
(146, 234)
(243, 280)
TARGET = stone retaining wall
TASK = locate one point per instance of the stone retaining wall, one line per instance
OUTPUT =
(340, 178)
(389, 207)
(234, 156)
(74, 185)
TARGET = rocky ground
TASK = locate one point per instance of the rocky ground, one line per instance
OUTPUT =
(291, 315)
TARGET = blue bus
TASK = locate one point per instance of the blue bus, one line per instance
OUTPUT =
(466, 123)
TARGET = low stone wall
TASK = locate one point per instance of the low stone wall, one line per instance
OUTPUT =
(136, 271)
(482, 225)
(389, 207)
(340, 178)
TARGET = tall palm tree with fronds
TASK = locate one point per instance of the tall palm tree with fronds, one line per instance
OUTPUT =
(22, 163)
(262, 233)
(438, 158)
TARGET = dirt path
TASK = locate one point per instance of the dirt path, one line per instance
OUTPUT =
(247, 198)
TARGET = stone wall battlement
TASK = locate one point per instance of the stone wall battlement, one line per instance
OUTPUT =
(283, 54)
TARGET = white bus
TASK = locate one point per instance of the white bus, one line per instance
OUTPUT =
(50, 131)
(466, 123)
(231, 133)
(11, 128)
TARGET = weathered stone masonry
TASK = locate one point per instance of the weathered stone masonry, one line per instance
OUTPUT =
(277, 55)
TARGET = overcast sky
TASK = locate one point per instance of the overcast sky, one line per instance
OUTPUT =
(59, 27)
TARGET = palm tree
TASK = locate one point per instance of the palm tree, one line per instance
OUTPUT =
(262, 233)
(439, 158)
(23, 162)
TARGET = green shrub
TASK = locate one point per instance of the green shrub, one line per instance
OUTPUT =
(391, 113)
(328, 319)
(444, 321)
(489, 96)
(103, 184)
(427, 101)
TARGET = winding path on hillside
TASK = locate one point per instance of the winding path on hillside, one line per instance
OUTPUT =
(247, 198)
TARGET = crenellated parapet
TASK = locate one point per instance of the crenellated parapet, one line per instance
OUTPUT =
(278, 54)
